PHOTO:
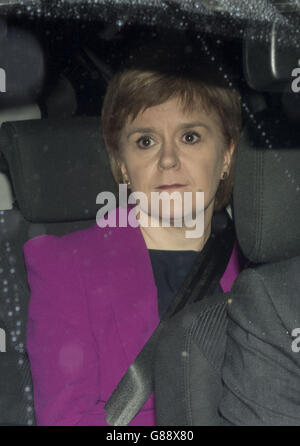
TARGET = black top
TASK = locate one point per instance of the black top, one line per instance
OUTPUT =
(170, 268)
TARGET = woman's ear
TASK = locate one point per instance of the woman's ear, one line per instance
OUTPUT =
(123, 171)
(228, 153)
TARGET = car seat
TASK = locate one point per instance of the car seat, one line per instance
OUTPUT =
(56, 168)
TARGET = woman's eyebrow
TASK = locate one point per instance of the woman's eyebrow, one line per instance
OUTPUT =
(189, 125)
(186, 125)
(141, 130)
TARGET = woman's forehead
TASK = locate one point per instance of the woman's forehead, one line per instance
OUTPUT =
(174, 111)
(173, 105)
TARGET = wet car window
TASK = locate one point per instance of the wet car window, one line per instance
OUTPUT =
(57, 58)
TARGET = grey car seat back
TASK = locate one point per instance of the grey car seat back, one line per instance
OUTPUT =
(261, 372)
(56, 169)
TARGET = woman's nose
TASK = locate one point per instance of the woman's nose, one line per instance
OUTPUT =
(168, 157)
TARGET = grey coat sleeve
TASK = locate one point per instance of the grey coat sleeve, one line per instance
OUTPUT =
(261, 370)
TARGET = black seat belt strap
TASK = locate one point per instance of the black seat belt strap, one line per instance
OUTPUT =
(136, 385)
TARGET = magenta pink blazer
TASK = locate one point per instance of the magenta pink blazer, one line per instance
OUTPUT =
(93, 306)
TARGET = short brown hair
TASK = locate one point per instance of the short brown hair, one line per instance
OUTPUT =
(133, 90)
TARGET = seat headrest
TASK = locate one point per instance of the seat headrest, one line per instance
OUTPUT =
(23, 62)
(266, 194)
(20, 113)
(57, 167)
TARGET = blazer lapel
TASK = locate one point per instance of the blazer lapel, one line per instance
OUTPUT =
(133, 293)
(232, 271)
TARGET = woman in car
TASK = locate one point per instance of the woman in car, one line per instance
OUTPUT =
(98, 294)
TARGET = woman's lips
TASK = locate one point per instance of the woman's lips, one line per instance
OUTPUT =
(170, 186)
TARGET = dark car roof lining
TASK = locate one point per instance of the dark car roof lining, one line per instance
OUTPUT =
(104, 37)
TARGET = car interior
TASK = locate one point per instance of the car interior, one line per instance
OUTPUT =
(58, 58)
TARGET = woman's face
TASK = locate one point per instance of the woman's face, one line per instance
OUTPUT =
(165, 149)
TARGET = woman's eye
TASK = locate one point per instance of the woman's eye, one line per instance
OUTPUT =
(191, 137)
(144, 142)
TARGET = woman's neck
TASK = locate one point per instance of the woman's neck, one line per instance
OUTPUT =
(175, 238)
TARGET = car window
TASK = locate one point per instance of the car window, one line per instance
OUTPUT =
(56, 59)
